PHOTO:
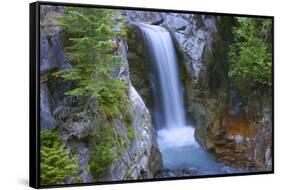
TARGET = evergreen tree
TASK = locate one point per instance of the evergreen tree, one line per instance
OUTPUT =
(89, 45)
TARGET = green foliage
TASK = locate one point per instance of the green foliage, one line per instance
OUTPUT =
(121, 141)
(112, 98)
(90, 46)
(102, 158)
(102, 154)
(55, 165)
(128, 120)
(76, 180)
(128, 175)
(107, 146)
(131, 132)
(250, 55)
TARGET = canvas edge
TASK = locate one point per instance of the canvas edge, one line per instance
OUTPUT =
(34, 128)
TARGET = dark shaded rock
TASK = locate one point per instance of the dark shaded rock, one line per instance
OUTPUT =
(78, 125)
(155, 160)
(51, 40)
(139, 69)
(168, 173)
(47, 59)
(52, 57)
(86, 177)
(61, 113)
(175, 23)
(47, 120)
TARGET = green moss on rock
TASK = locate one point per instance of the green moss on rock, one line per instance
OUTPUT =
(102, 154)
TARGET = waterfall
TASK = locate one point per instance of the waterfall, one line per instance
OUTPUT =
(175, 139)
(168, 94)
(166, 77)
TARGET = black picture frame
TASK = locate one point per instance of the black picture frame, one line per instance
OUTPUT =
(34, 93)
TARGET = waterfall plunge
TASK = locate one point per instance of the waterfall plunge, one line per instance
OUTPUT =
(167, 89)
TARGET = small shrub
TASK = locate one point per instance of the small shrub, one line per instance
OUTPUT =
(131, 133)
(121, 140)
(128, 175)
(128, 120)
(101, 159)
(102, 154)
(76, 180)
(55, 165)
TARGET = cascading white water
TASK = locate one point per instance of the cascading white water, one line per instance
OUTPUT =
(173, 132)
(161, 48)
(175, 139)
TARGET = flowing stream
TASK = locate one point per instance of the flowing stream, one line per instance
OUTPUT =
(175, 138)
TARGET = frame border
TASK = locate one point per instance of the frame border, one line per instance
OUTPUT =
(34, 97)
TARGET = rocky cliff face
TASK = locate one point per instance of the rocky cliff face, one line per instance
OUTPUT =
(201, 42)
(141, 159)
(75, 118)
